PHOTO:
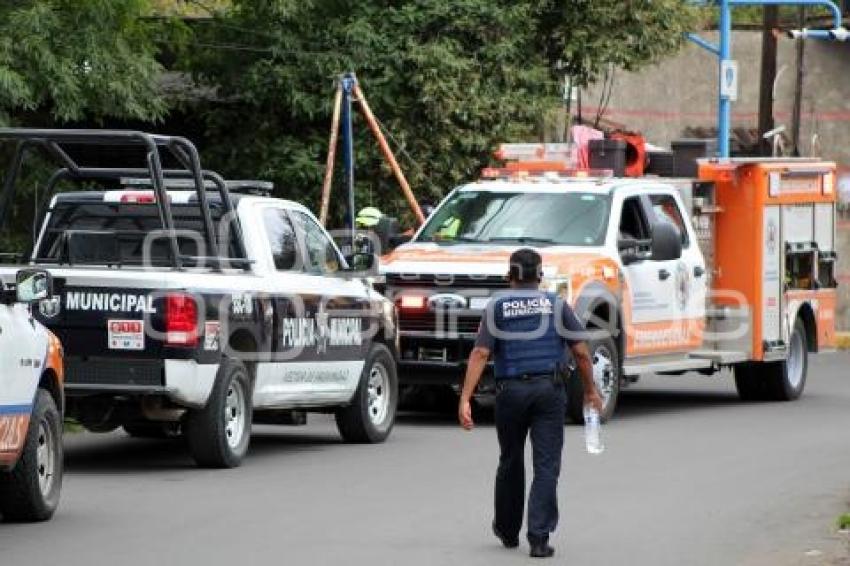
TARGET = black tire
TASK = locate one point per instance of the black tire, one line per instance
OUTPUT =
(217, 440)
(786, 380)
(22, 496)
(750, 383)
(776, 381)
(152, 430)
(365, 422)
(575, 388)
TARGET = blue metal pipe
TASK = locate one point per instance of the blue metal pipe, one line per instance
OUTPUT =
(704, 43)
(724, 105)
(836, 11)
(348, 82)
(817, 34)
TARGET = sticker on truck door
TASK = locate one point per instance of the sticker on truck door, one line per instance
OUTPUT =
(126, 334)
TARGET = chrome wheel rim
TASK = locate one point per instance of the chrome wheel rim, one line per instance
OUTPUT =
(603, 372)
(234, 414)
(795, 361)
(45, 457)
(378, 402)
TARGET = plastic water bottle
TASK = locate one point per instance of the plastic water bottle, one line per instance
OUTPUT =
(592, 437)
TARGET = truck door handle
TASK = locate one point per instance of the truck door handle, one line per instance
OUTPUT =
(663, 274)
(699, 271)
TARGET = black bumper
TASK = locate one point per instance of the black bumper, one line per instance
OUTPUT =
(85, 376)
(428, 360)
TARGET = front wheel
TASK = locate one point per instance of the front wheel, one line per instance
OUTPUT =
(30, 492)
(371, 415)
(219, 434)
(606, 374)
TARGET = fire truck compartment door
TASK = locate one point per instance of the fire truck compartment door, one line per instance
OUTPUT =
(798, 223)
(771, 273)
(824, 226)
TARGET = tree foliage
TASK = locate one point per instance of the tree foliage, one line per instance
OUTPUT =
(450, 80)
(75, 60)
(585, 35)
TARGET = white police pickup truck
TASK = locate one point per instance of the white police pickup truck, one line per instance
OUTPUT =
(190, 304)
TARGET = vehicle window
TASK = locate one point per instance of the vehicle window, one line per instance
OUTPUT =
(633, 224)
(281, 236)
(538, 218)
(666, 210)
(321, 255)
(92, 232)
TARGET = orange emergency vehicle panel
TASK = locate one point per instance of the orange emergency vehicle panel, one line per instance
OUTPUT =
(775, 245)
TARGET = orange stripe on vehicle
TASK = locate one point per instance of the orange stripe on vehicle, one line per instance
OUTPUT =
(664, 336)
(13, 432)
(55, 357)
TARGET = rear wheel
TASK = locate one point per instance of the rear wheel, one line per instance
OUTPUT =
(776, 381)
(606, 374)
(750, 384)
(30, 492)
(371, 415)
(219, 434)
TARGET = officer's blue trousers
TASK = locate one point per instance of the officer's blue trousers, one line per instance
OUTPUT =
(536, 406)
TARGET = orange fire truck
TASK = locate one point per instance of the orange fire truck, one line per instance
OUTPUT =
(733, 269)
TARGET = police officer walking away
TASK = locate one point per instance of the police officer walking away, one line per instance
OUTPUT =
(528, 331)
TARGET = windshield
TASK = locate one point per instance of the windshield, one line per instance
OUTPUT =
(536, 218)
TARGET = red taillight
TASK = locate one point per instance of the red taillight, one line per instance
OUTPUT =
(145, 197)
(411, 302)
(181, 320)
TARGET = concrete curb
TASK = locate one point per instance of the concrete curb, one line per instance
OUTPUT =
(842, 340)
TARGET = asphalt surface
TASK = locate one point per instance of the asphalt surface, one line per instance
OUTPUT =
(690, 476)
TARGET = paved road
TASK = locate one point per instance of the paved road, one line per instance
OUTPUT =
(691, 476)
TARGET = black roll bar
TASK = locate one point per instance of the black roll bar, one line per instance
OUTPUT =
(183, 150)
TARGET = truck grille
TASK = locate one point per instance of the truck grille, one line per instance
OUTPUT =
(114, 372)
(447, 281)
(439, 323)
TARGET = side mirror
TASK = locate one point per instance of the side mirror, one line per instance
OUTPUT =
(33, 285)
(627, 244)
(361, 262)
(666, 242)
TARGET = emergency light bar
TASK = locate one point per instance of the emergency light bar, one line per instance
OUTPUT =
(535, 152)
(517, 174)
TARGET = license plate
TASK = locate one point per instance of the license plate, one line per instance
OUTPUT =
(126, 334)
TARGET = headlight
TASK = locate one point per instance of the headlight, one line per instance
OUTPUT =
(559, 285)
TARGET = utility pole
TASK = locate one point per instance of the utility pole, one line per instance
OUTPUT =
(770, 22)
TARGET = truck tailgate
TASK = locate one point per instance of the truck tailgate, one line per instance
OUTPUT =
(109, 323)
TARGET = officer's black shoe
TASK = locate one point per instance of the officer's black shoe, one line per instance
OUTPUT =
(541, 550)
(507, 542)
